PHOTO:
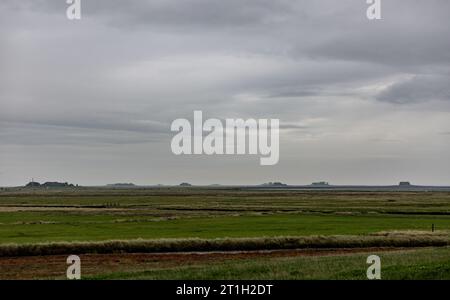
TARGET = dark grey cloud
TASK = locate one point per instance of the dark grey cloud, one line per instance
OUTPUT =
(419, 88)
(412, 33)
(403, 49)
(193, 13)
(171, 13)
(147, 126)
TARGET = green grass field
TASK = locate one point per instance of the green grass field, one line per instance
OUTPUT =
(98, 228)
(29, 216)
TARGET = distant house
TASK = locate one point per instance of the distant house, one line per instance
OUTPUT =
(275, 184)
(57, 185)
(121, 185)
(404, 183)
(320, 184)
(34, 184)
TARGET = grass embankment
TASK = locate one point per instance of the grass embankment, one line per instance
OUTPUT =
(237, 244)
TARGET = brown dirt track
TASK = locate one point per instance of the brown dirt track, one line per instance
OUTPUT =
(54, 267)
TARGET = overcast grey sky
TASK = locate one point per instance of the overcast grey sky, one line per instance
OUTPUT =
(91, 101)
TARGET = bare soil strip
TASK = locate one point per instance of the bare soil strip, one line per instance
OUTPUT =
(54, 266)
(58, 209)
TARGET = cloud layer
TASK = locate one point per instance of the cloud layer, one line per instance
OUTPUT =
(91, 101)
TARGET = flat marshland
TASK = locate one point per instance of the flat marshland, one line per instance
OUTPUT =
(223, 233)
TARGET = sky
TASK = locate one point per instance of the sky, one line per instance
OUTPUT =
(91, 101)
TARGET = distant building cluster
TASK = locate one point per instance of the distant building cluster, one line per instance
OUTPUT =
(275, 184)
(34, 184)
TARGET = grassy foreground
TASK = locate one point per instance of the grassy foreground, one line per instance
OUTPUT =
(432, 263)
(38, 228)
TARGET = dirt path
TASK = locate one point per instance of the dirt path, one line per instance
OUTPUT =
(59, 209)
(41, 267)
